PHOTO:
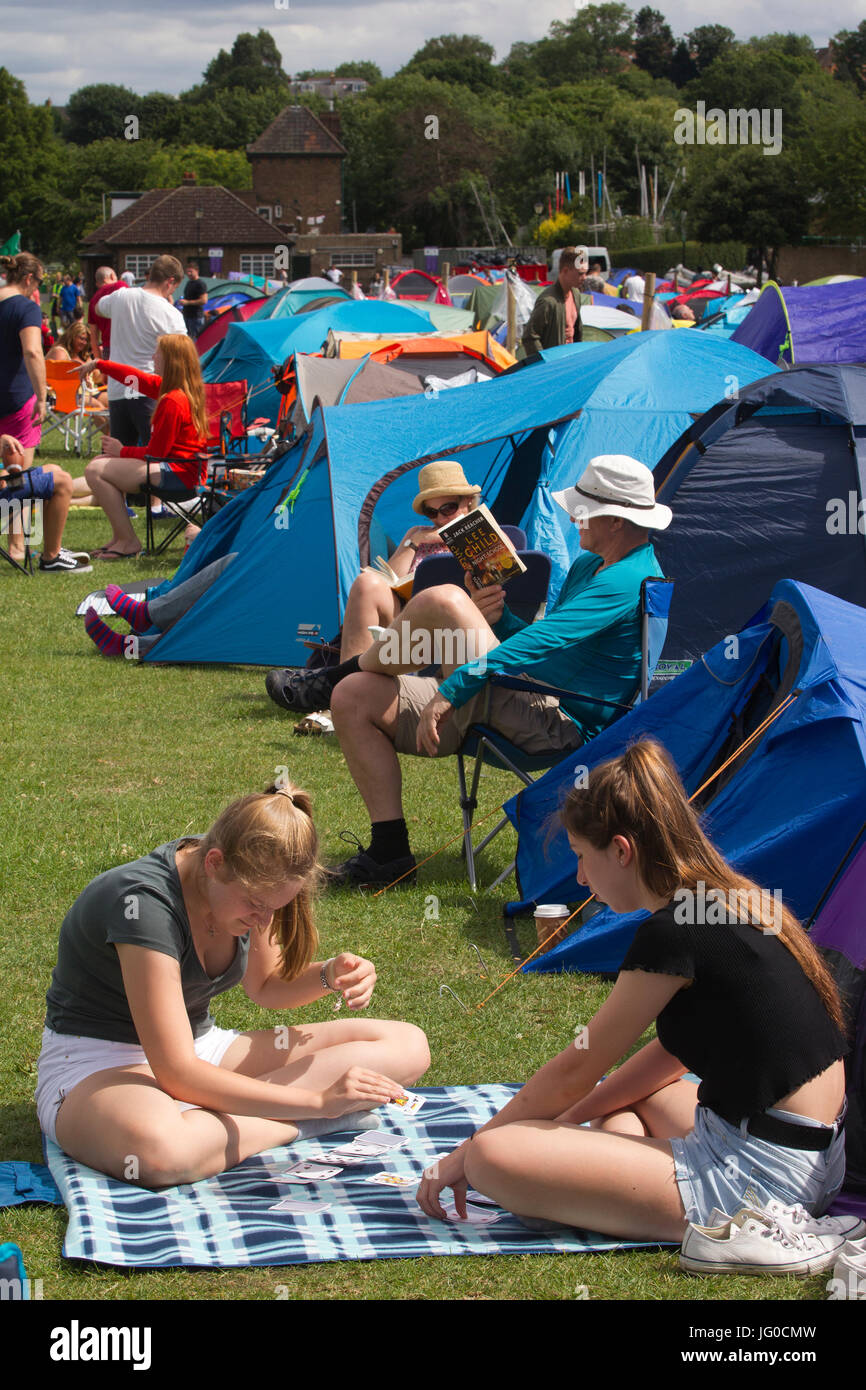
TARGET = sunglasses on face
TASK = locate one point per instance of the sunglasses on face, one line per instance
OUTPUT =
(448, 510)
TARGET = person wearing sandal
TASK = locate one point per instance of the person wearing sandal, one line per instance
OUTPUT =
(178, 436)
(133, 1066)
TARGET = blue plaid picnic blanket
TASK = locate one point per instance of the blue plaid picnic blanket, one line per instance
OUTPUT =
(228, 1220)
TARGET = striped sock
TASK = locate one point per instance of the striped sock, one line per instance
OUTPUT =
(110, 643)
(134, 610)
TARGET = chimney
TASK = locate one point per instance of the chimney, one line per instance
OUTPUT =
(331, 121)
(188, 180)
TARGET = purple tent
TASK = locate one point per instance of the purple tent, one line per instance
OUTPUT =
(841, 934)
(807, 324)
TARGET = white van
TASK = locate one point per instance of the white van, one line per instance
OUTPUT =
(594, 253)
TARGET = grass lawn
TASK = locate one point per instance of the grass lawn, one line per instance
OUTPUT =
(106, 759)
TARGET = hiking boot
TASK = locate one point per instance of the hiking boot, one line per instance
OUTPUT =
(361, 872)
(66, 562)
(300, 692)
(753, 1243)
(797, 1218)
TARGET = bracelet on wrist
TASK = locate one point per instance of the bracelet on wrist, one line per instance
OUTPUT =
(324, 976)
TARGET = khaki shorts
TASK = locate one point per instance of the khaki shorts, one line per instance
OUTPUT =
(535, 723)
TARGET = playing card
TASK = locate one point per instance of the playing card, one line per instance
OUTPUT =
(353, 1158)
(380, 1140)
(310, 1172)
(410, 1103)
(299, 1205)
(392, 1180)
(475, 1216)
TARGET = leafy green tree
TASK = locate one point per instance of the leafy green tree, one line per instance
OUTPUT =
(99, 112)
(159, 116)
(654, 42)
(28, 170)
(742, 195)
(254, 63)
(363, 71)
(453, 58)
(708, 42)
(598, 40)
(849, 51)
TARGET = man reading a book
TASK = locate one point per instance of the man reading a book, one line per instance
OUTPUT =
(590, 642)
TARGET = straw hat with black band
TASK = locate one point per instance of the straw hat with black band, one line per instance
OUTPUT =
(443, 478)
(615, 485)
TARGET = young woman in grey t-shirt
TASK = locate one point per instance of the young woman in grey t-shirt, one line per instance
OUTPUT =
(136, 1080)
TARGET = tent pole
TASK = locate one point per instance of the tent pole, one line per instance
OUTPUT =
(834, 876)
(648, 296)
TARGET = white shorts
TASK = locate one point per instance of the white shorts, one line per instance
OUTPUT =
(66, 1059)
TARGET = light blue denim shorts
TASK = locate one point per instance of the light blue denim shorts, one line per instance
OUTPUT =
(722, 1165)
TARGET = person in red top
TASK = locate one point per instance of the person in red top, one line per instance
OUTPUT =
(99, 325)
(178, 437)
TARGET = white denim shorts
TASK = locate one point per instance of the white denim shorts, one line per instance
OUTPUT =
(66, 1059)
(721, 1165)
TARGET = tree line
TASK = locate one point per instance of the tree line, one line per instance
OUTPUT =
(458, 149)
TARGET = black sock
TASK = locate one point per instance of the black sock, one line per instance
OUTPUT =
(346, 668)
(389, 841)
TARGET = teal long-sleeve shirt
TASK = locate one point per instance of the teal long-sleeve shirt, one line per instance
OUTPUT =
(589, 642)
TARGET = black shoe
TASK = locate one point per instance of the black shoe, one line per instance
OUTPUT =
(361, 871)
(301, 692)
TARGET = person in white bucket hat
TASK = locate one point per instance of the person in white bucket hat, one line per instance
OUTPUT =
(615, 485)
(589, 643)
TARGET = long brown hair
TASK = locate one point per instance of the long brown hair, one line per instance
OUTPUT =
(267, 839)
(181, 371)
(640, 795)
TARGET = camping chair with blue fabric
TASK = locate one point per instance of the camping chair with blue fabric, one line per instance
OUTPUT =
(486, 744)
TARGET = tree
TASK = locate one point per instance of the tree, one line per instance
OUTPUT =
(99, 112)
(849, 51)
(654, 42)
(254, 63)
(453, 58)
(742, 195)
(28, 170)
(364, 71)
(452, 48)
(709, 42)
(598, 40)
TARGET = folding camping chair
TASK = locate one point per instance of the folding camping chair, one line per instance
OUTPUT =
(484, 743)
(226, 406)
(70, 411)
(13, 489)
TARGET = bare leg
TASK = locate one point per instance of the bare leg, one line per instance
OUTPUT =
(120, 1114)
(438, 611)
(618, 1184)
(81, 494)
(371, 603)
(55, 512)
(364, 711)
(109, 479)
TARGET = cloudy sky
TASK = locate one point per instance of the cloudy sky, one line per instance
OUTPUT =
(165, 44)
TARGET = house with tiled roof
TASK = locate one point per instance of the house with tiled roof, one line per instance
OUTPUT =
(211, 225)
(297, 166)
(291, 219)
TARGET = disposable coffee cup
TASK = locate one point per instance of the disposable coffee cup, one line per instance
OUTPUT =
(550, 919)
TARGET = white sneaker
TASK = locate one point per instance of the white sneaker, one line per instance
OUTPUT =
(753, 1243)
(797, 1218)
(849, 1272)
(65, 562)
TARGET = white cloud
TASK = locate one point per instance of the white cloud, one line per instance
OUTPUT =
(166, 45)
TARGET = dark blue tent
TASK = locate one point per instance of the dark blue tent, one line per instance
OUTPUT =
(763, 486)
(784, 812)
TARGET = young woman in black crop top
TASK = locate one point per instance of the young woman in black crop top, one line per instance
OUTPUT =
(738, 994)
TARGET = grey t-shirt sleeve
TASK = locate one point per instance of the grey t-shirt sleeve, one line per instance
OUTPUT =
(139, 914)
